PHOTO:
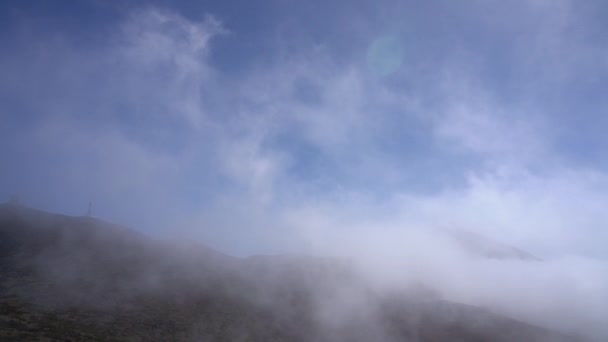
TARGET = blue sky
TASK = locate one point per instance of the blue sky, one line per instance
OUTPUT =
(271, 126)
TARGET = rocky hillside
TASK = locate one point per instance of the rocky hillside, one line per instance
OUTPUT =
(81, 279)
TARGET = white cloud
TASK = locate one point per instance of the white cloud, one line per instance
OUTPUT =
(155, 86)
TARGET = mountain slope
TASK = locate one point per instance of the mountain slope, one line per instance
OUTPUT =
(481, 246)
(80, 279)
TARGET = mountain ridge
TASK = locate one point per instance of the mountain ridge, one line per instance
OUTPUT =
(79, 278)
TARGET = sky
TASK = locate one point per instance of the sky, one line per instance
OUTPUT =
(281, 126)
(356, 128)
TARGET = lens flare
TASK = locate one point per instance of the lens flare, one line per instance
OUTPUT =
(385, 55)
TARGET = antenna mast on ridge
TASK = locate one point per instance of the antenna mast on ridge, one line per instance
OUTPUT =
(89, 210)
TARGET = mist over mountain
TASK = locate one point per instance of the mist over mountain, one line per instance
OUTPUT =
(80, 278)
(371, 170)
(484, 247)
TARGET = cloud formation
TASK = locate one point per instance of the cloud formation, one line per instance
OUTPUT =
(355, 155)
